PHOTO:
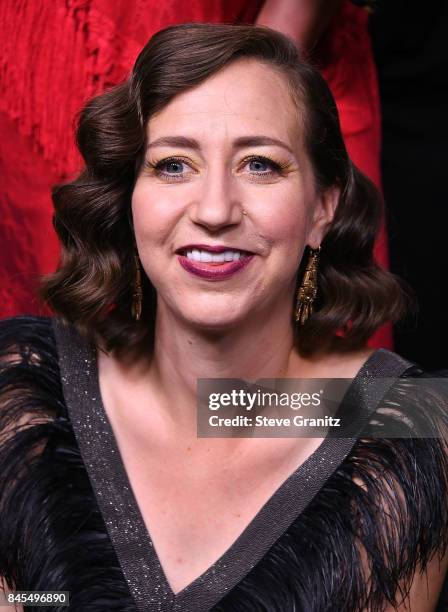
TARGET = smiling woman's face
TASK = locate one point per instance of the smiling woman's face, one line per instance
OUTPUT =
(226, 176)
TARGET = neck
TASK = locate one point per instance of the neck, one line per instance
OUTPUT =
(183, 354)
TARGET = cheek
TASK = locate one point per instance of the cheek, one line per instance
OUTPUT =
(284, 217)
(152, 213)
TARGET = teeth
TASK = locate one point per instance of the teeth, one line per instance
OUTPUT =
(206, 256)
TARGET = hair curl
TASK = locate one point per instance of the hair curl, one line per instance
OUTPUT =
(93, 285)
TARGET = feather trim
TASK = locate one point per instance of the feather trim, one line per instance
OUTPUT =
(52, 534)
(386, 504)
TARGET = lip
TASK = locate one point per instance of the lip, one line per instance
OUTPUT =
(214, 271)
(216, 248)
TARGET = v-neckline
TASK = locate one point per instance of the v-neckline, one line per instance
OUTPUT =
(124, 521)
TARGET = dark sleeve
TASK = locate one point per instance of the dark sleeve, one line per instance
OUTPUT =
(385, 506)
(52, 535)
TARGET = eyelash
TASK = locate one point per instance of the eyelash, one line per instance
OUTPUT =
(156, 167)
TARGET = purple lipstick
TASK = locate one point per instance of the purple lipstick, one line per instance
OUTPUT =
(201, 260)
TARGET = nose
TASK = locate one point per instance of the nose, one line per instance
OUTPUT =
(218, 204)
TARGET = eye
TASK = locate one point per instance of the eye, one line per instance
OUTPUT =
(173, 167)
(170, 169)
(262, 166)
(259, 165)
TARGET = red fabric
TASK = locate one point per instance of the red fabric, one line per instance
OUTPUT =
(350, 71)
(58, 54)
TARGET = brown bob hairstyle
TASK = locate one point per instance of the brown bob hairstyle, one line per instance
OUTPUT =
(93, 285)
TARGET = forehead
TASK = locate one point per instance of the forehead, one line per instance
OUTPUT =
(246, 97)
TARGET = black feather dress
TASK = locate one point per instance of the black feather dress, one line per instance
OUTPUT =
(69, 520)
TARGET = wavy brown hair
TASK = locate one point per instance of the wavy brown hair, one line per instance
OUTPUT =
(93, 285)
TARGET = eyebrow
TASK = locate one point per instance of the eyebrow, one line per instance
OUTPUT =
(243, 141)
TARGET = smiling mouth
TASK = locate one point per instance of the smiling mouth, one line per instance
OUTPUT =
(213, 266)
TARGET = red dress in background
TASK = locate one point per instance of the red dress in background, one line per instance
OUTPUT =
(56, 55)
(350, 71)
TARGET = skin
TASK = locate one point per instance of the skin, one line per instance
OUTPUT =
(304, 21)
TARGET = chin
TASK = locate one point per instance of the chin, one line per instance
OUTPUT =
(218, 322)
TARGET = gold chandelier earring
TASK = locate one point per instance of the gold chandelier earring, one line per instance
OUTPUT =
(137, 295)
(308, 289)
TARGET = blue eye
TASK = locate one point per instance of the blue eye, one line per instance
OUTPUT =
(173, 167)
(258, 165)
(263, 166)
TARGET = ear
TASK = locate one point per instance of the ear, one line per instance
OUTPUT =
(324, 209)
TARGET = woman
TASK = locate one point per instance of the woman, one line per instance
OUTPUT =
(219, 230)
